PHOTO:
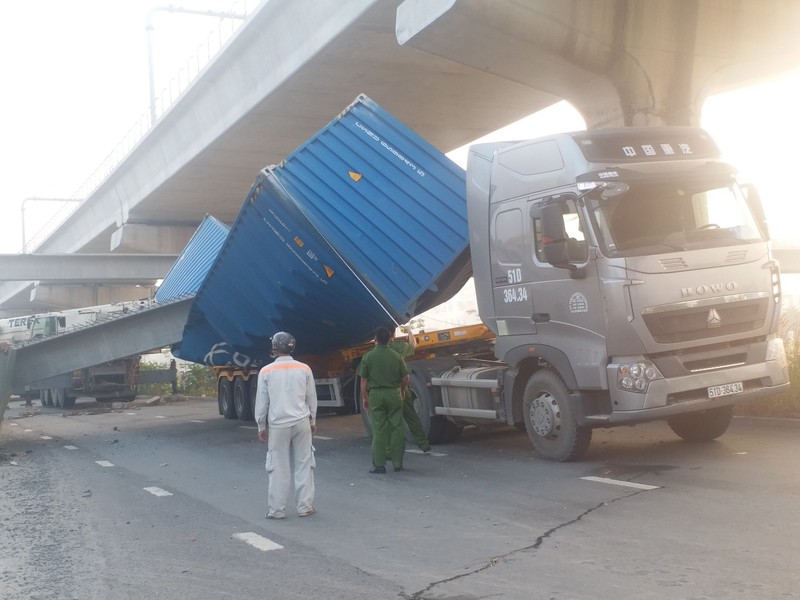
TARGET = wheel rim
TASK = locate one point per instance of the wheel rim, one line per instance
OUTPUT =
(545, 415)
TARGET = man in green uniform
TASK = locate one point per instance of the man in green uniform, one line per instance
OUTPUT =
(405, 349)
(384, 378)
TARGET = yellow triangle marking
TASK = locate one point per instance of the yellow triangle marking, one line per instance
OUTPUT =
(355, 176)
(328, 271)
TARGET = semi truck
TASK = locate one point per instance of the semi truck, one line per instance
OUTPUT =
(622, 275)
(112, 380)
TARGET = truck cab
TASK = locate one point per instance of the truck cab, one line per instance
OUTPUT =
(628, 277)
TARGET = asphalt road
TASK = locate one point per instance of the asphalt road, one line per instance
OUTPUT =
(168, 501)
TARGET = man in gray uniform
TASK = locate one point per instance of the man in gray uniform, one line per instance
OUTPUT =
(287, 399)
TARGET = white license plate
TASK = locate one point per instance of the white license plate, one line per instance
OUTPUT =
(715, 391)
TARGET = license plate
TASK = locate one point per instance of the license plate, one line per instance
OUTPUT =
(715, 391)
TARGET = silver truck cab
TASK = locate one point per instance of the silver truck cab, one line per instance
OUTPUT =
(628, 277)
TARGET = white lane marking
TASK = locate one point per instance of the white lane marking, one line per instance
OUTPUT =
(631, 484)
(13, 463)
(71, 447)
(418, 451)
(157, 491)
(45, 437)
(160, 417)
(27, 430)
(247, 427)
(131, 414)
(104, 463)
(13, 424)
(322, 437)
(196, 421)
(257, 541)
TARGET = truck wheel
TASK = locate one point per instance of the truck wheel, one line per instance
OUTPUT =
(45, 397)
(551, 426)
(364, 413)
(67, 401)
(225, 397)
(702, 426)
(241, 399)
(58, 397)
(253, 387)
(432, 425)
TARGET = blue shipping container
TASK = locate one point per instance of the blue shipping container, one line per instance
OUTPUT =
(363, 225)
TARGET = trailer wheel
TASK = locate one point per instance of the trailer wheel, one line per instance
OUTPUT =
(225, 397)
(67, 401)
(702, 426)
(253, 388)
(58, 397)
(45, 397)
(241, 399)
(551, 426)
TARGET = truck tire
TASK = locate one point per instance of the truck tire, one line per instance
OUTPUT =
(702, 426)
(364, 413)
(58, 397)
(46, 397)
(253, 388)
(434, 426)
(68, 400)
(551, 426)
(225, 398)
(241, 399)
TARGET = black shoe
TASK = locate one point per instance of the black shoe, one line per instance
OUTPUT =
(399, 469)
(378, 470)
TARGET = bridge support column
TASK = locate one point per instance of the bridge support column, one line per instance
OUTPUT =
(7, 357)
(619, 63)
(151, 239)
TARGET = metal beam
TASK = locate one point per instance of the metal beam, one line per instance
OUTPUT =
(136, 333)
(129, 268)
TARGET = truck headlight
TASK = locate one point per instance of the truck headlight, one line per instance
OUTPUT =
(776, 351)
(636, 376)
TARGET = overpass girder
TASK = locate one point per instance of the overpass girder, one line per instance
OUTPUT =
(618, 62)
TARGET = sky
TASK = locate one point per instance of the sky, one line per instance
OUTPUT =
(76, 81)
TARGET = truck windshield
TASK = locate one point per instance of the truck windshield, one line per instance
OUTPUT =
(656, 218)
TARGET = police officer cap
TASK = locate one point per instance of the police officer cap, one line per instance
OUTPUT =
(283, 342)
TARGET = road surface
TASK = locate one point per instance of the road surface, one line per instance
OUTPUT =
(168, 501)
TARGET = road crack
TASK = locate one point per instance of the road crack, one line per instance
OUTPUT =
(494, 560)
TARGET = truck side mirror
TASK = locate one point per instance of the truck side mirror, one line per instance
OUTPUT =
(754, 203)
(554, 236)
(555, 240)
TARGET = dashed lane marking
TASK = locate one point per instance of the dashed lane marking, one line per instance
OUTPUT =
(157, 491)
(322, 437)
(104, 463)
(45, 437)
(631, 484)
(257, 541)
(160, 417)
(133, 414)
(13, 424)
(71, 447)
(27, 430)
(247, 427)
(196, 421)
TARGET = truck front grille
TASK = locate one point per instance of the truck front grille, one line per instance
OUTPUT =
(706, 320)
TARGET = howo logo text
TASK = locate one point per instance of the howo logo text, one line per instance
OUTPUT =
(705, 290)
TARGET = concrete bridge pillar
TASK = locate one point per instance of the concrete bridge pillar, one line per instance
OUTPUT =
(618, 62)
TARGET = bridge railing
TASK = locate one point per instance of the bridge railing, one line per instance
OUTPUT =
(190, 72)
